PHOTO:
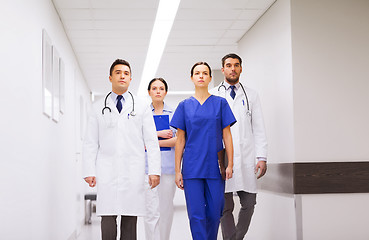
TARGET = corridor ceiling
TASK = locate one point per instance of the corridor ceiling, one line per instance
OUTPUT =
(101, 31)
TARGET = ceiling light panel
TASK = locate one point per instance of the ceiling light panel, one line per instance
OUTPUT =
(165, 16)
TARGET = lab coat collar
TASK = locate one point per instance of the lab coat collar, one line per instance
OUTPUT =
(227, 85)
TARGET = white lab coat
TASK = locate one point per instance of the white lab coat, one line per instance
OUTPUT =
(114, 152)
(249, 140)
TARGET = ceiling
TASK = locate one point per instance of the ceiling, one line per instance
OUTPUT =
(101, 31)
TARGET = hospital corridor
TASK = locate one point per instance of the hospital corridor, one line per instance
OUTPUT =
(263, 102)
(180, 227)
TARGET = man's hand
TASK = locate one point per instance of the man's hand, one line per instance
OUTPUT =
(165, 133)
(154, 180)
(260, 167)
(91, 181)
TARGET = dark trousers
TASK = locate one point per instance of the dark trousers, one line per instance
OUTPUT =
(230, 230)
(128, 228)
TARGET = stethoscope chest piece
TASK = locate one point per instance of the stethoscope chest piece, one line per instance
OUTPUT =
(133, 113)
(103, 110)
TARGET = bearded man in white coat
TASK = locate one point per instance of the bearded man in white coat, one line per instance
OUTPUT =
(249, 144)
(120, 127)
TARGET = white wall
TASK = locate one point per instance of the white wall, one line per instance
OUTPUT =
(331, 91)
(38, 170)
(266, 55)
(331, 86)
(335, 216)
(267, 68)
(308, 60)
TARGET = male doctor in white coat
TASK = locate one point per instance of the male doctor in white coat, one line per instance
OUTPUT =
(119, 129)
(249, 144)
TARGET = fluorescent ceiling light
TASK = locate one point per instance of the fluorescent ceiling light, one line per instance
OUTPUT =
(165, 16)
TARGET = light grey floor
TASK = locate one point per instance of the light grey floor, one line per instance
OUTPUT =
(180, 227)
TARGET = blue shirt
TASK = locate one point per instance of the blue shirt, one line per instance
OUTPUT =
(167, 157)
(114, 96)
(204, 126)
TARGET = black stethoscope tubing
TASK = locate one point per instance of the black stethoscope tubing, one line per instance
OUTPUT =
(132, 113)
(243, 89)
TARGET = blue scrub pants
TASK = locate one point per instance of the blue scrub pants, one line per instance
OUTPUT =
(205, 202)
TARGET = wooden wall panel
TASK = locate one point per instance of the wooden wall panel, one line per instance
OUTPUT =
(317, 178)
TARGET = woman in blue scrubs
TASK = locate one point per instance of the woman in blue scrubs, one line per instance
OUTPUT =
(203, 123)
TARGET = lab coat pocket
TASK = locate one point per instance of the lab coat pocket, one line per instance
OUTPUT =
(130, 122)
(110, 120)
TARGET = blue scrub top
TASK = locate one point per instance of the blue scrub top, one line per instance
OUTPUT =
(204, 126)
(167, 154)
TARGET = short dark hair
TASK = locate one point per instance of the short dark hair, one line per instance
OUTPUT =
(231, 55)
(158, 79)
(118, 62)
(200, 63)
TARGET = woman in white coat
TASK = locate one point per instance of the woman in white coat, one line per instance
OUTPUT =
(250, 147)
(119, 129)
(159, 205)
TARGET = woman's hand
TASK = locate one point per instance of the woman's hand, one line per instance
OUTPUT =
(229, 172)
(179, 180)
(165, 133)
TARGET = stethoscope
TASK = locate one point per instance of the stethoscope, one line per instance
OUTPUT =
(248, 112)
(132, 113)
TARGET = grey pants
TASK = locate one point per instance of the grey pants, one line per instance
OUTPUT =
(128, 228)
(230, 230)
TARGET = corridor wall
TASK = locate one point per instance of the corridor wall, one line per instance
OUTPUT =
(267, 68)
(308, 60)
(41, 187)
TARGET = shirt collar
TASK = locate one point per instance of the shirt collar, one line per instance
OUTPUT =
(166, 108)
(114, 96)
(227, 85)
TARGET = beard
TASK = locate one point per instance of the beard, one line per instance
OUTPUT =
(232, 80)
